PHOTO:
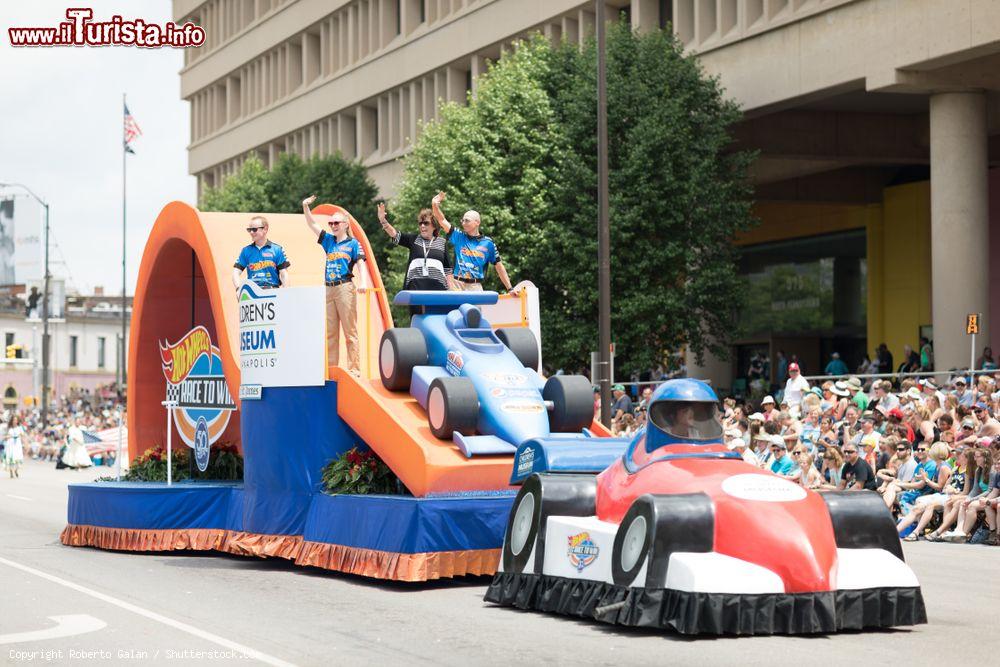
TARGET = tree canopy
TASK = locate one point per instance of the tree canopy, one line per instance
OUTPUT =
(281, 190)
(523, 153)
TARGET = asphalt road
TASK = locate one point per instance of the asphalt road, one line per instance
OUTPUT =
(61, 605)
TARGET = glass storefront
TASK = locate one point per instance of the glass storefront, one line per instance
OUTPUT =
(807, 298)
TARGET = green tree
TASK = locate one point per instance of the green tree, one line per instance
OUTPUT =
(332, 179)
(496, 155)
(678, 195)
(524, 154)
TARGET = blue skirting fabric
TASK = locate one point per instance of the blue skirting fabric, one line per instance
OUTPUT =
(402, 524)
(155, 506)
(398, 524)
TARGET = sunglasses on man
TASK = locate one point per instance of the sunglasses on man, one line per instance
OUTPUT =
(254, 229)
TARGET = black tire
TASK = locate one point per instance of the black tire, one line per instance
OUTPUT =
(522, 342)
(540, 497)
(452, 405)
(399, 351)
(572, 399)
(862, 521)
(656, 526)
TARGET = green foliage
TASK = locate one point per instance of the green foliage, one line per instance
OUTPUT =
(332, 179)
(224, 463)
(524, 154)
(360, 472)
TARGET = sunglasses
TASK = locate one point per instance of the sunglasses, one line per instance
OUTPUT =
(423, 223)
(334, 223)
(254, 229)
(776, 449)
(900, 449)
(850, 451)
(921, 449)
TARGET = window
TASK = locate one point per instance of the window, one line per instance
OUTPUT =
(101, 340)
(73, 340)
(8, 339)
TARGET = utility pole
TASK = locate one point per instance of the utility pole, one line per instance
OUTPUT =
(603, 229)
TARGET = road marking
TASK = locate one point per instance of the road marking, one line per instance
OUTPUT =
(66, 626)
(11, 495)
(152, 615)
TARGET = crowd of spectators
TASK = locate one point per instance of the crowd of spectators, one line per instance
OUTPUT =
(932, 452)
(61, 440)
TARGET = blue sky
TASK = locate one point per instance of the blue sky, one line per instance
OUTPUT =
(61, 129)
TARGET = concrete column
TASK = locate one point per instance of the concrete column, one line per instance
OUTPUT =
(477, 65)
(347, 136)
(959, 224)
(645, 15)
(410, 16)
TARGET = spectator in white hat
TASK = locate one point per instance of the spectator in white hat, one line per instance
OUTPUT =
(739, 446)
(767, 408)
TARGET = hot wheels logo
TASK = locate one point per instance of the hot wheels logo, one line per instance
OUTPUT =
(180, 357)
(582, 550)
(456, 360)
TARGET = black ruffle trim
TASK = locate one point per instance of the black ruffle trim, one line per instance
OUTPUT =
(711, 613)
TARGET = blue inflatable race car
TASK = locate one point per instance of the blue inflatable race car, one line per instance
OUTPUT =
(481, 389)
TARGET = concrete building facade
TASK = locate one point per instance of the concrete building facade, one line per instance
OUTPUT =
(84, 353)
(877, 124)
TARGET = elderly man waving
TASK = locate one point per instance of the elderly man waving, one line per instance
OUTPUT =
(473, 251)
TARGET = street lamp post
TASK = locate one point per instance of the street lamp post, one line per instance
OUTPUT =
(45, 303)
(603, 230)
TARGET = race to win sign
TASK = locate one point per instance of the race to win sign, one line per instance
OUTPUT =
(282, 336)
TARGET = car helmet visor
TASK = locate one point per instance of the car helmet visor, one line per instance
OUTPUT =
(691, 420)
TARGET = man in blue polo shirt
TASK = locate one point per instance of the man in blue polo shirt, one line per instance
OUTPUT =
(265, 262)
(473, 251)
(343, 254)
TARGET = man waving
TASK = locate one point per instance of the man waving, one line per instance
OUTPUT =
(473, 251)
(345, 258)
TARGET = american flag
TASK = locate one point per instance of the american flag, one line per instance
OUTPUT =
(100, 442)
(131, 130)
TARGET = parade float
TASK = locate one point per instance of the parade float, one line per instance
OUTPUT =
(443, 403)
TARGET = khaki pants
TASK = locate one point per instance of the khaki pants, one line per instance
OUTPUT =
(468, 287)
(342, 311)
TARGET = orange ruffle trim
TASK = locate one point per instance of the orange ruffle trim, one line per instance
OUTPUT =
(396, 566)
(365, 562)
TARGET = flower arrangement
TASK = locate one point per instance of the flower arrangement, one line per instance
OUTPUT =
(224, 463)
(360, 472)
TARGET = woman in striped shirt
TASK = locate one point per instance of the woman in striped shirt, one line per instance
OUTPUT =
(429, 267)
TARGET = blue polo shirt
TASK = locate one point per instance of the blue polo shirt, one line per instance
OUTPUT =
(783, 466)
(472, 254)
(340, 257)
(263, 263)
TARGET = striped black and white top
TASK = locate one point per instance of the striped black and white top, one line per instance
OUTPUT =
(429, 262)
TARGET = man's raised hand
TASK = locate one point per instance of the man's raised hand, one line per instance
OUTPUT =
(381, 212)
(309, 200)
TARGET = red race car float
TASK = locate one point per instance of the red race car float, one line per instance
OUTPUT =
(680, 533)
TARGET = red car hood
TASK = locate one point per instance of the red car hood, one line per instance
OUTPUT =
(759, 517)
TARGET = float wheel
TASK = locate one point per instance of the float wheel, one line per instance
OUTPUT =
(399, 352)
